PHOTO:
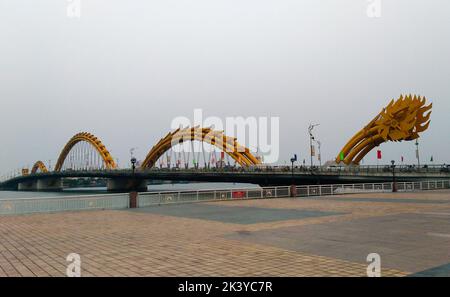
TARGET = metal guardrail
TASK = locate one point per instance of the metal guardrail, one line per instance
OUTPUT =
(159, 198)
(326, 190)
(85, 202)
(148, 199)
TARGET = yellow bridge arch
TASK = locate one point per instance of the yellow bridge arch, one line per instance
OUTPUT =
(91, 139)
(229, 145)
(39, 165)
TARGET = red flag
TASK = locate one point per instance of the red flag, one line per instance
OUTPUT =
(379, 155)
(222, 155)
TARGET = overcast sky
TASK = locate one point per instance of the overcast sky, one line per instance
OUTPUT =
(125, 69)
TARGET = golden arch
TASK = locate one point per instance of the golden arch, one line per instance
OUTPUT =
(227, 144)
(402, 119)
(94, 141)
(39, 165)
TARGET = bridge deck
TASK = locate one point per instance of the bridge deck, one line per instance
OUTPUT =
(260, 177)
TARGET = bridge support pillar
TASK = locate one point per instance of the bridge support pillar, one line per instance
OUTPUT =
(126, 185)
(50, 184)
(27, 186)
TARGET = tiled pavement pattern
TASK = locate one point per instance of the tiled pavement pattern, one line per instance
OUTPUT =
(235, 214)
(302, 237)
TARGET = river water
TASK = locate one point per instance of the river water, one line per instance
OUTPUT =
(151, 188)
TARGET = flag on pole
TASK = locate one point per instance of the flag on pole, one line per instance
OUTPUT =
(342, 156)
(402, 159)
(379, 155)
(432, 160)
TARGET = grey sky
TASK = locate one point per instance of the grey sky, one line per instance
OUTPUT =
(125, 69)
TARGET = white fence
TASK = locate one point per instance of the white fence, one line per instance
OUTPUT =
(122, 201)
(148, 199)
(325, 190)
(36, 205)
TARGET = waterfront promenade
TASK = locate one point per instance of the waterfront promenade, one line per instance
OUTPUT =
(314, 236)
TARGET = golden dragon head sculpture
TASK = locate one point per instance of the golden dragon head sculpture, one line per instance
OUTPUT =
(402, 120)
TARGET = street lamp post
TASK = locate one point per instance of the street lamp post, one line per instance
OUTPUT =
(133, 191)
(417, 153)
(133, 159)
(293, 187)
(293, 160)
(394, 184)
(133, 164)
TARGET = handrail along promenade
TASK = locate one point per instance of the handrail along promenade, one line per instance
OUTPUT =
(11, 206)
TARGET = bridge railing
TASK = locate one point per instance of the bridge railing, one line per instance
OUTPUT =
(159, 198)
(56, 204)
(433, 168)
(324, 190)
(123, 201)
(427, 168)
(355, 169)
(9, 176)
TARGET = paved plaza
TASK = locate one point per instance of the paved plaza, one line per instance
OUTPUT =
(323, 236)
